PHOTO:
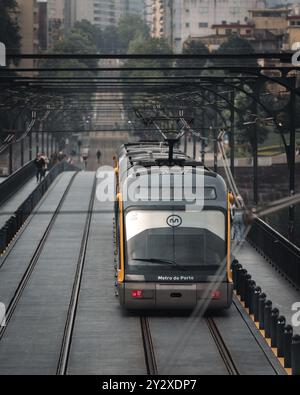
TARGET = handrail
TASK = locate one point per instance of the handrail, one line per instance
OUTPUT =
(284, 254)
(15, 222)
(14, 182)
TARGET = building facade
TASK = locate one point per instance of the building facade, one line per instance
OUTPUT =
(135, 7)
(157, 17)
(56, 21)
(32, 18)
(179, 19)
(102, 13)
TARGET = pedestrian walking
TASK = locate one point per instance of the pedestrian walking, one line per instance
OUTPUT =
(98, 154)
(238, 219)
(39, 163)
(46, 164)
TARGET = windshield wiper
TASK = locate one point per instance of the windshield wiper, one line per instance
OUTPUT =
(160, 261)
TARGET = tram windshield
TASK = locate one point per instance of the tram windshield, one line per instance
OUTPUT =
(176, 238)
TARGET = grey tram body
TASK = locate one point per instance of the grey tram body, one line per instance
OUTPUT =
(174, 288)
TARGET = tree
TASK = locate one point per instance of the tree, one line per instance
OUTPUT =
(82, 39)
(192, 47)
(130, 27)
(110, 42)
(148, 46)
(141, 45)
(9, 29)
(92, 32)
(77, 43)
(238, 46)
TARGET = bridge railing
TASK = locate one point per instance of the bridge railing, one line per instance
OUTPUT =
(16, 181)
(274, 327)
(15, 222)
(276, 248)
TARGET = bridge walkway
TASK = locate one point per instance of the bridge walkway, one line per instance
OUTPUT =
(274, 285)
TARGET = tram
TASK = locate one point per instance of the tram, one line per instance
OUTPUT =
(172, 249)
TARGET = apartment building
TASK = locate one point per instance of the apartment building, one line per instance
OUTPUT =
(179, 19)
(33, 22)
(102, 13)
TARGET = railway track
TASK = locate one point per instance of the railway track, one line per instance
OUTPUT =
(149, 351)
(159, 358)
(35, 257)
(222, 348)
(67, 338)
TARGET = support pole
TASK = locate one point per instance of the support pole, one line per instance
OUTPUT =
(43, 138)
(215, 150)
(292, 164)
(37, 148)
(194, 147)
(30, 146)
(255, 152)
(203, 152)
(10, 159)
(52, 144)
(185, 143)
(47, 139)
(22, 152)
(232, 132)
(255, 164)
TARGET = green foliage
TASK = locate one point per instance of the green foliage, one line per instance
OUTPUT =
(77, 43)
(140, 45)
(84, 38)
(192, 48)
(93, 33)
(113, 39)
(236, 45)
(130, 28)
(9, 29)
(154, 46)
(110, 43)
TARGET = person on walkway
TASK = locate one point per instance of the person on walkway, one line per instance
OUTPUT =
(98, 154)
(46, 165)
(237, 213)
(39, 163)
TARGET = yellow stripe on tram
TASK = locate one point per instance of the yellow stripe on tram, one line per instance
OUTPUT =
(229, 272)
(121, 272)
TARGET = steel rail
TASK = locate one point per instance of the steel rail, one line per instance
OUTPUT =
(62, 365)
(149, 351)
(34, 260)
(222, 348)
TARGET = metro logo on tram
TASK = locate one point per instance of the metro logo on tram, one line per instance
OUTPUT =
(174, 221)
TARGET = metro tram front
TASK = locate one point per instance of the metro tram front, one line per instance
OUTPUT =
(173, 255)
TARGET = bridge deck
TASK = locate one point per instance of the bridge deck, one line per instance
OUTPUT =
(278, 289)
(105, 340)
(10, 206)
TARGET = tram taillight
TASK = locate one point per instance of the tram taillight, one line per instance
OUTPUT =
(216, 295)
(137, 294)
